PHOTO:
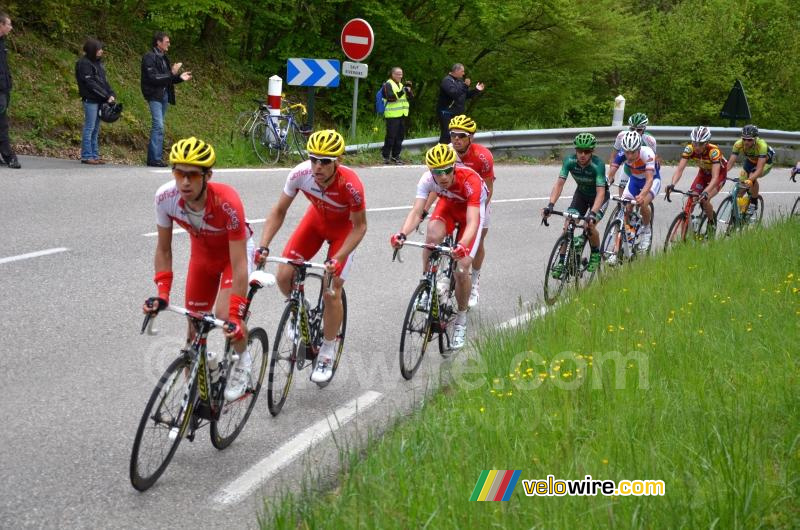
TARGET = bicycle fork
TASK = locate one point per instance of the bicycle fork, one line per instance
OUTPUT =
(177, 430)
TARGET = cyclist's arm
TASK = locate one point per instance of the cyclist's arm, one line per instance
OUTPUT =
(714, 185)
(558, 187)
(758, 172)
(473, 221)
(599, 198)
(163, 257)
(238, 254)
(648, 175)
(359, 220)
(731, 161)
(679, 170)
(413, 218)
(490, 188)
(275, 219)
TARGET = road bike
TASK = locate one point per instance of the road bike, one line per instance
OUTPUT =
(190, 393)
(246, 120)
(433, 307)
(687, 220)
(300, 331)
(622, 236)
(730, 217)
(572, 251)
(279, 135)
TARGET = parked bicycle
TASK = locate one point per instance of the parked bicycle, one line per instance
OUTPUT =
(572, 251)
(433, 307)
(274, 136)
(300, 331)
(688, 220)
(730, 218)
(246, 120)
(622, 236)
(190, 393)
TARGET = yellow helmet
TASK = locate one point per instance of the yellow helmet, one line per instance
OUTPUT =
(464, 123)
(440, 155)
(325, 143)
(193, 152)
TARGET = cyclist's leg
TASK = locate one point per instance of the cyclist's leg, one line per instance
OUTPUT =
(334, 312)
(644, 208)
(305, 242)
(202, 285)
(594, 233)
(439, 225)
(462, 274)
(224, 297)
(699, 185)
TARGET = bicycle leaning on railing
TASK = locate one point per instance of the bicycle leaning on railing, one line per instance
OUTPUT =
(190, 393)
(732, 212)
(621, 239)
(300, 332)
(433, 307)
(247, 119)
(569, 258)
(687, 219)
(276, 135)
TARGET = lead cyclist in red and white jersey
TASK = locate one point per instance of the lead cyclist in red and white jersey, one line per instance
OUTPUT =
(221, 247)
(337, 214)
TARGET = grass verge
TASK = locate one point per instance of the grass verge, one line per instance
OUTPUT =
(682, 369)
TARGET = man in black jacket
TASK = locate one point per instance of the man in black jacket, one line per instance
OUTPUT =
(94, 90)
(159, 78)
(453, 94)
(6, 153)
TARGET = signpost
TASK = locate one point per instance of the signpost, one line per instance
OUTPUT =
(357, 41)
(358, 70)
(312, 72)
(736, 107)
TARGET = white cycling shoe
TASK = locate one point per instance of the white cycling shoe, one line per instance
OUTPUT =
(644, 244)
(459, 337)
(240, 378)
(323, 371)
(473, 295)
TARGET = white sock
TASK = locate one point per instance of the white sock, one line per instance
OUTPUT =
(461, 318)
(245, 359)
(475, 274)
(326, 350)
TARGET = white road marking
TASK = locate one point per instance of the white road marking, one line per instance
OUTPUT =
(525, 317)
(33, 255)
(262, 471)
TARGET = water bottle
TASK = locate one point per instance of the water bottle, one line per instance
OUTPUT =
(743, 202)
(213, 366)
(695, 223)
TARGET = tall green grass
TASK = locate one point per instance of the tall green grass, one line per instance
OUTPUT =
(683, 368)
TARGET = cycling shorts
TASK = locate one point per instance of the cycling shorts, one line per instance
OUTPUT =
(635, 187)
(207, 276)
(486, 215)
(582, 203)
(312, 232)
(450, 213)
(703, 179)
(748, 167)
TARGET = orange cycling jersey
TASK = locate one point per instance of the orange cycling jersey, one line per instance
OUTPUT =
(705, 160)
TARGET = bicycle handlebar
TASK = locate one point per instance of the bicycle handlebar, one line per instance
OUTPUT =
(429, 246)
(147, 325)
(571, 215)
(306, 265)
(689, 193)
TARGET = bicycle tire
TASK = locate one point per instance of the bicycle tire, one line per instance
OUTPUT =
(340, 335)
(266, 143)
(234, 415)
(583, 276)
(413, 327)
(297, 142)
(448, 308)
(154, 415)
(760, 211)
(726, 218)
(795, 208)
(676, 232)
(243, 125)
(607, 247)
(611, 218)
(551, 293)
(284, 352)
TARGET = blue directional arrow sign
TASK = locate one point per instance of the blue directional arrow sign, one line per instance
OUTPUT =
(312, 72)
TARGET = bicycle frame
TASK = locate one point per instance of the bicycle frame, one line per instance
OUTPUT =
(572, 223)
(689, 204)
(628, 220)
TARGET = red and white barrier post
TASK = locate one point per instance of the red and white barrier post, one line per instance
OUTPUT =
(274, 95)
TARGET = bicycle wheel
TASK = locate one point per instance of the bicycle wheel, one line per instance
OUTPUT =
(234, 414)
(614, 235)
(284, 355)
(297, 142)
(760, 211)
(448, 311)
(244, 122)
(266, 141)
(726, 217)
(581, 258)
(319, 309)
(416, 332)
(552, 285)
(677, 231)
(162, 425)
(796, 208)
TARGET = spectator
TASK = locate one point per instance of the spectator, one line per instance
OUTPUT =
(94, 90)
(453, 94)
(159, 78)
(6, 153)
(397, 96)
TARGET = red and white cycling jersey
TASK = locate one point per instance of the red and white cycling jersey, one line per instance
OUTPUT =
(467, 187)
(335, 203)
(479, 159)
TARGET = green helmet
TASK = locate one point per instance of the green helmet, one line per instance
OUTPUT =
(585, 140)
(638, 120)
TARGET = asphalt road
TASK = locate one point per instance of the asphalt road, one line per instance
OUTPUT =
(76, 373)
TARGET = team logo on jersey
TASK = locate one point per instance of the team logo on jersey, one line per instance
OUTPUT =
(233, 224)
(166, 195)
(354, 192)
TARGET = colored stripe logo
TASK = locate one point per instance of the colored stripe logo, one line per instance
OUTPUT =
(495, 485)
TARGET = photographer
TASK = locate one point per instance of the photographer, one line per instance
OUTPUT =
(397, 96)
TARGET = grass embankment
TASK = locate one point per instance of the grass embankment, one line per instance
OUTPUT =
(682, 369)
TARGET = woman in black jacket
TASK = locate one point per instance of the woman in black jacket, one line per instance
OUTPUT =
(95, 90)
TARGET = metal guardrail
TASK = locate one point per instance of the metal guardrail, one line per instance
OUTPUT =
(552, 141)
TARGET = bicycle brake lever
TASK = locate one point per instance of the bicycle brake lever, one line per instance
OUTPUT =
(397, 256)
(544, 222)
(147, 325)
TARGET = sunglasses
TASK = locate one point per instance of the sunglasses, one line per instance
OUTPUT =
(585, 151)
(317, 160)
(639, 130)
(442, 171)
(179, 173)
(458, 135)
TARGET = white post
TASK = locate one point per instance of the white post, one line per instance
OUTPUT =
(619, 111)
(274, 95)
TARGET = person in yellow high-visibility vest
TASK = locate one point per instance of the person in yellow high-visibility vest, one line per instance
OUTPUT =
(397, 95)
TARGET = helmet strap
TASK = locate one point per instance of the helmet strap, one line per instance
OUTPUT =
(203, 189)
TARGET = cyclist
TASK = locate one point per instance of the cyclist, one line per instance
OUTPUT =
(711, 170)
(757, 163)
(589, 173)
(480, 159)
(645, 181)
(221, 247)
(636, 122)
(337, 215)
(462, 199)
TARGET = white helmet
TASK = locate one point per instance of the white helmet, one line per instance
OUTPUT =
(632, 141)
(700, 135)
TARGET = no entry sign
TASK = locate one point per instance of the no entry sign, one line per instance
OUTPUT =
(357, 39)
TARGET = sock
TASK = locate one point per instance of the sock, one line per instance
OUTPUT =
(475, 274)
(245, 360)
(461, 318)
(595, 250)
(326, 350)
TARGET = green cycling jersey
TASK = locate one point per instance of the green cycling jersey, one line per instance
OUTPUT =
(588, 177)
